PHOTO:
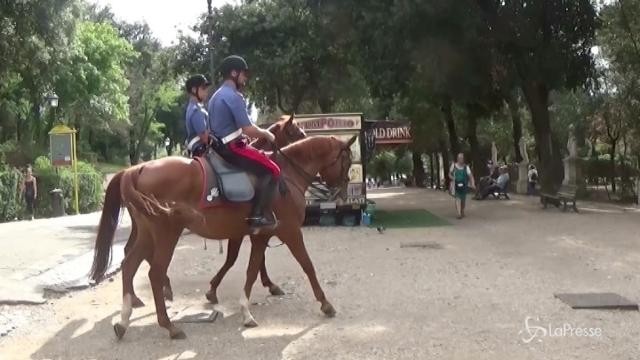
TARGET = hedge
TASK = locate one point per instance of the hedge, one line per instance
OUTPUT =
(11, 204)
(90, 189)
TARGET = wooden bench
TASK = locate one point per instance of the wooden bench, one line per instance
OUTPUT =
(502, 193)
(566, 194)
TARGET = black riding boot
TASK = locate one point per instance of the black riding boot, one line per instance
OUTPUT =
(263, 200)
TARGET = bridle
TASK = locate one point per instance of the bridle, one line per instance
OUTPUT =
(344, 167)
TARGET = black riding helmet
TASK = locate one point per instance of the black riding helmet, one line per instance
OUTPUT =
(231, 63)
(196, 81)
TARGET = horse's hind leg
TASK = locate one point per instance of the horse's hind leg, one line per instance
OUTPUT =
(258, 245)
(233, 247)
(135, 300)
(131, 262)
(295, 243)
(165, 240)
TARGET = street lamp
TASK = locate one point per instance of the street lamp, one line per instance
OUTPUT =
(52, 99)
(167, 145)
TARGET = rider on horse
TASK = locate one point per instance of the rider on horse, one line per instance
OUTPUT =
(231, 124)
(196, 116)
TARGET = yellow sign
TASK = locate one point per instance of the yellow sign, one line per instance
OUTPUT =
(62, 140)
(329, 122)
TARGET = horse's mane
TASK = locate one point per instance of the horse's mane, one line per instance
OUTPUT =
(309, 148)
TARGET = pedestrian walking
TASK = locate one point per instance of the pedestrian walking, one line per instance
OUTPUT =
(461, 180)
(532, 177)
(30, 192)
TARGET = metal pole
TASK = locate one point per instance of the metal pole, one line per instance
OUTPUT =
(75, 172)
(212, 67)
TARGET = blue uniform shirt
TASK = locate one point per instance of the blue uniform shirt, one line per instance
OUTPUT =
(196, 120)
(228, 111)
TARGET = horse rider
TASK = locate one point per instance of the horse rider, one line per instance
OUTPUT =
(196, 116)
(230, 123)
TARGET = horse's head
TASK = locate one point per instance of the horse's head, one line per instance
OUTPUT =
(286, 132)
(336, 174)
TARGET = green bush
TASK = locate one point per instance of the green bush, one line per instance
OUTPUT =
(90, 186)
(600, 168)
(11, 204)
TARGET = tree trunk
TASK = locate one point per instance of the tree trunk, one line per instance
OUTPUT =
(418, 168)
(431, 172)
(438, 177)
(451, 127)
(516, 121)
(325, 103)
(612, 161)
(537, 96)
(133, 156)
(445, 163)
(476, 161)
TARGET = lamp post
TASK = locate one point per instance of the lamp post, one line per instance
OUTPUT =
(167, 145)
(52, 100)
(212, 67)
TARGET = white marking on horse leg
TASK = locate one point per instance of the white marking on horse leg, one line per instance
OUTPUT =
(127, 307)
(246, 314)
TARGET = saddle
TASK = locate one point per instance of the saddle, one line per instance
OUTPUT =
(223, 181)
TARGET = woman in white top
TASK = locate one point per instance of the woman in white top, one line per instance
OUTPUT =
(461, 180)
(532, 177)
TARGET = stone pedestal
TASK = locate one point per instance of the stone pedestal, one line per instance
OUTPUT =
(570, 171)
(523, 178)
(573, 175)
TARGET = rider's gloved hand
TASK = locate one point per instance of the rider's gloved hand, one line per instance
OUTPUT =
(269, 136)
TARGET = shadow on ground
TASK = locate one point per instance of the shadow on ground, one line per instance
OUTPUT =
(149, 341)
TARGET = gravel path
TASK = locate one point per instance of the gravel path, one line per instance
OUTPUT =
(465, 299)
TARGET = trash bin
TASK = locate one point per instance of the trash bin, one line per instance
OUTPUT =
(57, 202)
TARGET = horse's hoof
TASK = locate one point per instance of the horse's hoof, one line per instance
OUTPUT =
(328, 310)
(136, 302)
(119, 330)
(168, 293)
(211, 296)
(177, 334)
(251, 323)
(275, 290)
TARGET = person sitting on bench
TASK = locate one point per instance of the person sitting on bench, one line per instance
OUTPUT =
(498, 185)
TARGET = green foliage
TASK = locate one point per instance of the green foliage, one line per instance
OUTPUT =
(10, 197)
(297, 60)
(92, 85)
(382, 165)
(404, 164)
(90, 185)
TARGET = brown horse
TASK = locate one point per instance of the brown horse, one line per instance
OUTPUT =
(162, 196)
(286, 132)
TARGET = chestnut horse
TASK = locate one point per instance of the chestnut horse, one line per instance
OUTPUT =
(163, 195)
(286, 132)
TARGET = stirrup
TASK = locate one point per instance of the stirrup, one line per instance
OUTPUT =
(262, 222)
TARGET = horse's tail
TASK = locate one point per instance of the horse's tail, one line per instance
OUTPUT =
(107, 228)
(149, 205)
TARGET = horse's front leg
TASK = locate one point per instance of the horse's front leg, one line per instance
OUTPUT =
(258, 246)
(264, 277)
(294, 240)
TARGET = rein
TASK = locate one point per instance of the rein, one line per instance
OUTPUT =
(308, 177)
